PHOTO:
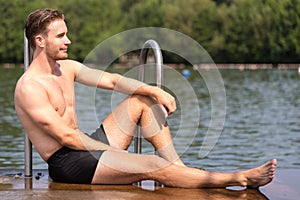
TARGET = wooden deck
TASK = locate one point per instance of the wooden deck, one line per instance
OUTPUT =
(13, 185)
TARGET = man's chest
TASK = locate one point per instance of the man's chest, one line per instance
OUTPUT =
(60, 92)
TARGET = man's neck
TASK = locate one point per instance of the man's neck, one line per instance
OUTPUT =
(45, 64)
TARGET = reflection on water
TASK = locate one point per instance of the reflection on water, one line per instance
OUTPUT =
(262, 120)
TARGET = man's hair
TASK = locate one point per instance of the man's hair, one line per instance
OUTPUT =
(38, 22)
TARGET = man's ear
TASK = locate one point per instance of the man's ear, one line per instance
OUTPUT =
(39, 41)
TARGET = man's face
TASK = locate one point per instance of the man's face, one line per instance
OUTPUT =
(57, 41)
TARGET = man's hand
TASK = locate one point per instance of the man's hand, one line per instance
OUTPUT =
(166, 100)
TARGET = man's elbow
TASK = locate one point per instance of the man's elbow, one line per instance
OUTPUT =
(67, 140)
(71, 140)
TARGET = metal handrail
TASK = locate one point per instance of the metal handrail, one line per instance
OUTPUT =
(27, 142)
(158, 61)
(159, 78)
(149, 44)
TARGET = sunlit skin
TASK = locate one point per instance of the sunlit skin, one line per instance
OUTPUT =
(45, 104)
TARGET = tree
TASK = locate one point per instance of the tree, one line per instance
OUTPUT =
(145, 14)
(208, 27)
(89, 23)
(230, 30)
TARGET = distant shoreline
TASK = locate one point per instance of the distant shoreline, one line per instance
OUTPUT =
(240, 66)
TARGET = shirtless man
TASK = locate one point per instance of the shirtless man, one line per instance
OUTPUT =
(45, 104)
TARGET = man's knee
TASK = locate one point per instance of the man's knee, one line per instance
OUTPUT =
(142, 100)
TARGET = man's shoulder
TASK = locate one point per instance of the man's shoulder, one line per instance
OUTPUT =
(69, 63)
(70, 66)
(27, 89)
(27, 83)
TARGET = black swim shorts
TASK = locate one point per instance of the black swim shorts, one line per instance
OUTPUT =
(76, 166)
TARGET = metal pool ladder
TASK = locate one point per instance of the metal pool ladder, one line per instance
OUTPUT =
(27, 142)
(149, 44)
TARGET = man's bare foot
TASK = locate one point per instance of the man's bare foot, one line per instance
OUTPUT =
(260, 176)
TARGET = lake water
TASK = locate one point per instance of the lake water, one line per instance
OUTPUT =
(262, 120)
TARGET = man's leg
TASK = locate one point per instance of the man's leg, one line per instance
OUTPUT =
(121, 124)
(126, 168)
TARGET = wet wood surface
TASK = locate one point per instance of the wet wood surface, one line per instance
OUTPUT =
(13, 185)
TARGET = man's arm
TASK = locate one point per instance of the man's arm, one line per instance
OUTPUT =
(105, 80)
(40, 111)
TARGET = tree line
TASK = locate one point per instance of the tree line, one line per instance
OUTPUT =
(231, 31)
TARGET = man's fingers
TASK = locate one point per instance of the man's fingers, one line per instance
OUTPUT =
(165, 111)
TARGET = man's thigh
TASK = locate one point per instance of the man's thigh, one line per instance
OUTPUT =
(125, 168)
(120, 125)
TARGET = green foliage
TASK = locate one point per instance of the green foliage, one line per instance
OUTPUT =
(145, 14)
(230, 30)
